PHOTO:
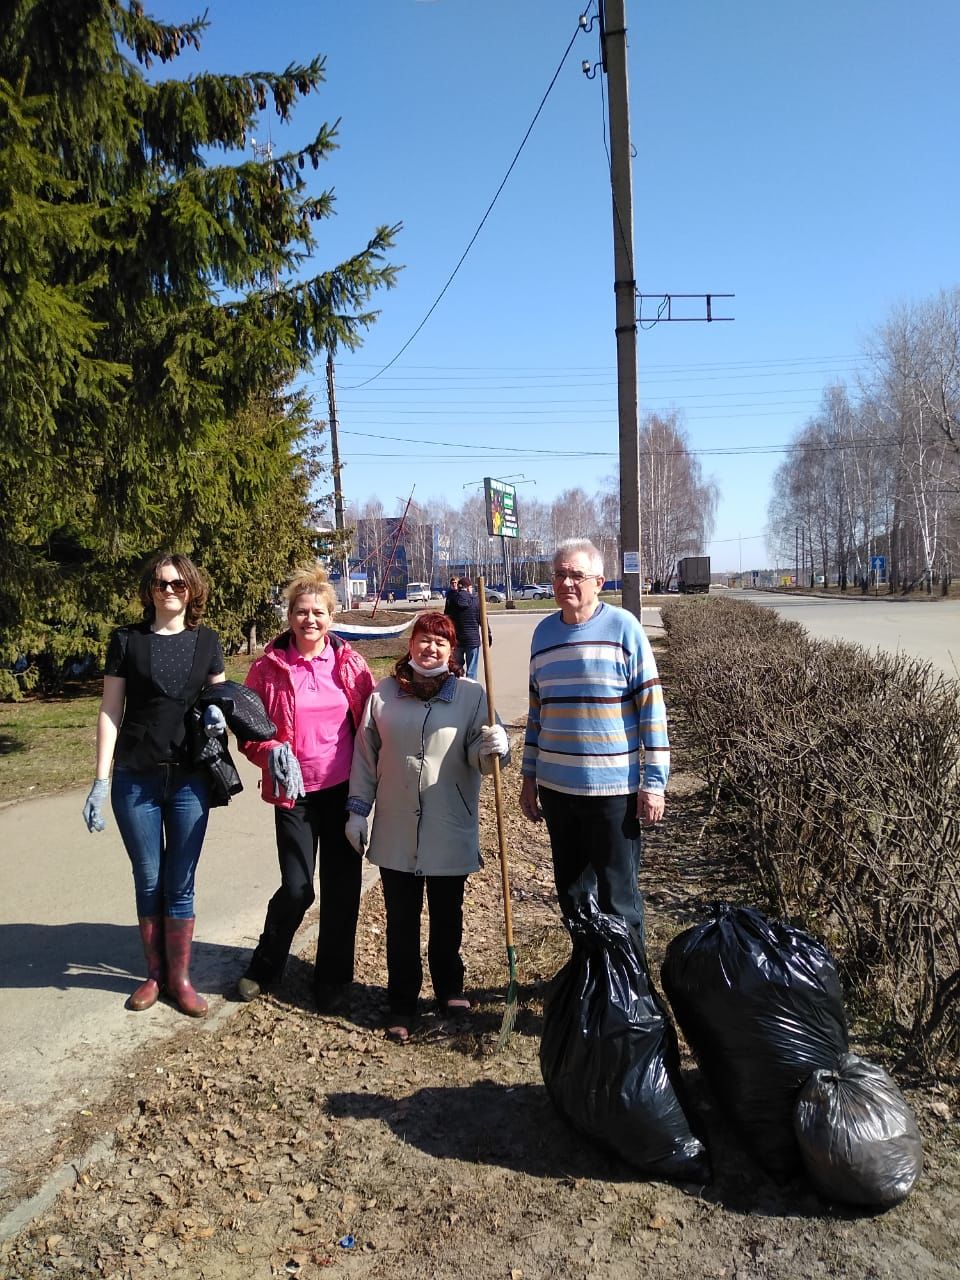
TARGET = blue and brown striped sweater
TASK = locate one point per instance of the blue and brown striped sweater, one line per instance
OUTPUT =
(595, 699)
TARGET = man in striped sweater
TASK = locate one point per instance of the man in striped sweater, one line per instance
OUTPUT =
(595, 700)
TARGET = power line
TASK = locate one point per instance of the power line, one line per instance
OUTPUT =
(709, 364)
(500, 451)
(486, 215)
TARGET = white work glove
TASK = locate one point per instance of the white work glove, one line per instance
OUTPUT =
(493, 740)
(357, 831)
(285, 772)
(214, 722)
(93, 806)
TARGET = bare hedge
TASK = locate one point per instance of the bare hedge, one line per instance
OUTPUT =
(837, 769)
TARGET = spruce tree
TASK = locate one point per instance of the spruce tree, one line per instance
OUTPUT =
(152, 314)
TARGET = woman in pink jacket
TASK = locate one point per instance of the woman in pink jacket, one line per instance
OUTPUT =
(315, 688)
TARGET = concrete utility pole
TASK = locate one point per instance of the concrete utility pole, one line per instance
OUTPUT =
(337, 489)
(614, 38)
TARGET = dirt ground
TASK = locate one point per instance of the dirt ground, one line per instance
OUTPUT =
(290, 1144)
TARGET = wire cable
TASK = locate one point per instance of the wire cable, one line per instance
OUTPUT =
(356, 386)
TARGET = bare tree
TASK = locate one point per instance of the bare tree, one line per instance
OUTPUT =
(677, 505)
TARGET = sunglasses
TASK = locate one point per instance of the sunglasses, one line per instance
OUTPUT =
(163, 585)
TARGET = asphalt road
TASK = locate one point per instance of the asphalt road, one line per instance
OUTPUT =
(922, 627)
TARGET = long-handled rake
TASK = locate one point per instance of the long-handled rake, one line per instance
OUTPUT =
(510, 1012)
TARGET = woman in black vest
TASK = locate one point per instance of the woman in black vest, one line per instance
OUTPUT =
(154, 672)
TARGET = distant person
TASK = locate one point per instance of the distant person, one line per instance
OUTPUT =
(421, 747)
(154, 671)
(463, 610)
(595, 701)
(314, 687)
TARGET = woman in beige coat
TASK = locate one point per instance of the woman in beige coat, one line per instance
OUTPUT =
(414, 797)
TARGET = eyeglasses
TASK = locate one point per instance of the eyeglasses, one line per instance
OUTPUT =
(565, 575)
(163, 585)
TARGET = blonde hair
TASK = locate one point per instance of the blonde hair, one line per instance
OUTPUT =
(311, 580)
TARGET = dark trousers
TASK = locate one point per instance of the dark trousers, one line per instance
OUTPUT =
(311, 836)
(403, 897)
(596, 846)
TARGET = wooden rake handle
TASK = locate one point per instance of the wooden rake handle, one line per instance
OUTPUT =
(497, 780)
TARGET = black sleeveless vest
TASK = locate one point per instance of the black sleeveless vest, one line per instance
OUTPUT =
(154, 727)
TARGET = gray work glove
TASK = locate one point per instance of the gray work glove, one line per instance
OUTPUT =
(214, 722)
(93, 808)
(357, 831)
(285, 772)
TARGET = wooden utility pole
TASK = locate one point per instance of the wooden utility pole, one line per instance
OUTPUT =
(337, 488)
(614, 38)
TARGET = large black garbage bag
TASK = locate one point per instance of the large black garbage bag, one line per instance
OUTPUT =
(609, 1053)
(761, 1007)
(857, 1134)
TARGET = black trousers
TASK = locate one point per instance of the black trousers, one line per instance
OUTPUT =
(596, 843)
(310, 837)
(403, 897)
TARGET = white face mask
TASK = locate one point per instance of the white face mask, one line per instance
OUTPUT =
(427, 672)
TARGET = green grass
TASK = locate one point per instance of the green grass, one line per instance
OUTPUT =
(47, 745)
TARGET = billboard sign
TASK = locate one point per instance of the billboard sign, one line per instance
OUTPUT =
(501, 504)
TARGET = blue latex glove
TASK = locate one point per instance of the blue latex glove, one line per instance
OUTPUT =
(214, 722)
(285, 772)
(93, 808)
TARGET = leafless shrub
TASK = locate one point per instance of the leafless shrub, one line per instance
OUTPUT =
(838, 772)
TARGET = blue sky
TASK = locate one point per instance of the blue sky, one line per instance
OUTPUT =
(800, 157)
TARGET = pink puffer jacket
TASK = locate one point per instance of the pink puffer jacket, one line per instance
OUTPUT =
(270, 677)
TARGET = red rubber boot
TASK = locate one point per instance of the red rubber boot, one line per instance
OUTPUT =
(178, 937)
(151, 935)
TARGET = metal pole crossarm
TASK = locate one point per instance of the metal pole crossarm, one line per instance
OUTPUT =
(667, 299)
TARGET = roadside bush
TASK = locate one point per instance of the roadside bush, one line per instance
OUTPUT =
(837, 769)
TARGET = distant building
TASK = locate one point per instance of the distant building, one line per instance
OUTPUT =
(391, 562)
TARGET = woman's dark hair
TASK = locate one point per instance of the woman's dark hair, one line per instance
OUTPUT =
(197, 587)
(433, 623)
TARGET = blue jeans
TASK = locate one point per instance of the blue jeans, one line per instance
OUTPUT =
(470, 659)
(596, 844)
(162, 819)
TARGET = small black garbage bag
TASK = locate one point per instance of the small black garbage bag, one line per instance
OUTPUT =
(857, 1134)
(609, 1053)
(761, 1007)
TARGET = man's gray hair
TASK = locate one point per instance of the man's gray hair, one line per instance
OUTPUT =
(576, 547)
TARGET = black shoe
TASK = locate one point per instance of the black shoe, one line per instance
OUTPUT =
(332, 997)
(248, 989)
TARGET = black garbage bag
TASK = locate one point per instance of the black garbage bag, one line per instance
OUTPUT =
(857, 1134)
(761, 1007)
(609, 1053)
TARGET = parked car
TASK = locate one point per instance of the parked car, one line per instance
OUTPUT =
(534, 591)
(493, 596)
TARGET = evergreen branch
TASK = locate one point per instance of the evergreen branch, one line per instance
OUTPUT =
(150, 39)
